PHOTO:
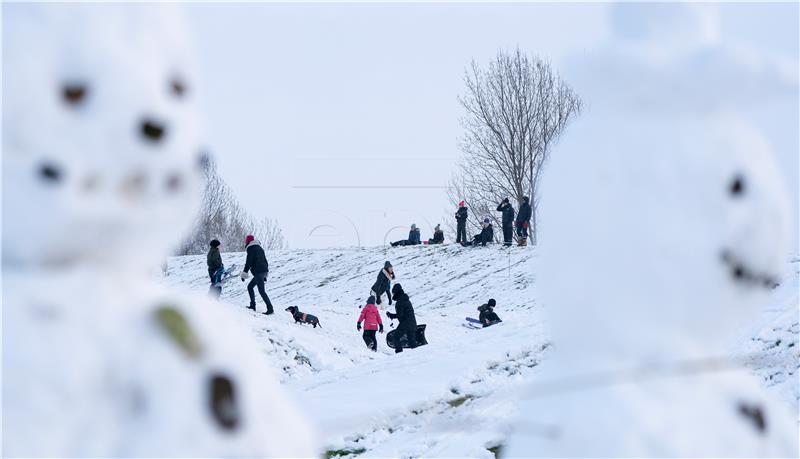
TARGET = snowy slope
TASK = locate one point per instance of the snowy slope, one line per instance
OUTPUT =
(454, 397)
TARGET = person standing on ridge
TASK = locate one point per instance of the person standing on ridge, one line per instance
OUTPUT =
(461, 223)
(257, 263)
(523, 221)
(508, 220)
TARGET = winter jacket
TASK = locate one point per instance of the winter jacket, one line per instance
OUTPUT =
(438, 237)
(487, 315)
(413, 236)
(524, 214)
(461, 214)
(256, 259)
(404, 311)
(384, 282)
(486, 235)
(508, 213)
(371, 317)
(213, 259)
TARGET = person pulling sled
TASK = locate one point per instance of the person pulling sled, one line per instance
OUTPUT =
(404, 313)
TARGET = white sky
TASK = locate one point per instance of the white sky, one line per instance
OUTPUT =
(303, 101)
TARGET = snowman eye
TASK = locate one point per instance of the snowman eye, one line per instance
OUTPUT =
(177, 87)
(736, 187)
(50, 172)
(74, 93)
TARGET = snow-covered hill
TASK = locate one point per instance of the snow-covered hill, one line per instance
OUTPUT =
(453, 397)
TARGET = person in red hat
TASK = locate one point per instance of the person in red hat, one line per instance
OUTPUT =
(257, 263)
(461, 223)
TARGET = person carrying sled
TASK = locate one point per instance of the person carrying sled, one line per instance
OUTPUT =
(413, 237)
(484, 237)
(487, 315)
(461, 223)
(383, 283)
(438, 236)
(523, 221)
(508, 220)
(404, 313)
(214, 262)
(372, 323)
(257, 263)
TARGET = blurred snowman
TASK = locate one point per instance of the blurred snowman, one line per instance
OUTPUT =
(662, 240)
(101, 177)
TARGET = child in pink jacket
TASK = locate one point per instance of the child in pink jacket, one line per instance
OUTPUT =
(372, 323)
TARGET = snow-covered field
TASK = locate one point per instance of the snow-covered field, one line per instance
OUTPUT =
(455, 396)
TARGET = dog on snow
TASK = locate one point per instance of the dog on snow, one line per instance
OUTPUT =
(302, 317)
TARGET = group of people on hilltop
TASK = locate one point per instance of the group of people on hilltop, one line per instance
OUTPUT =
(415, 239)
(508, 222)
(522, 222)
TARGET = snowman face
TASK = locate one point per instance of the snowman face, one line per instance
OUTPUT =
(100, 145)
(660, 237)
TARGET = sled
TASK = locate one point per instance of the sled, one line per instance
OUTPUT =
(215, 290)
(475, 323)
(421, 341)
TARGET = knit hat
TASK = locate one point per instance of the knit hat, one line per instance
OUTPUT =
(525, 198)
(387, 265)
(371, 299)
(250, 238)
(461, 204)
(492, 302)
(214, 243)
(413, 226)
(397, 289)
(437, 227)
(486, 220)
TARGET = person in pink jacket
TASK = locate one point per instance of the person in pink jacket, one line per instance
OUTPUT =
(372, 323)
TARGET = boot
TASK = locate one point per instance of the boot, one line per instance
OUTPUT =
(252, 307)
(523, 242)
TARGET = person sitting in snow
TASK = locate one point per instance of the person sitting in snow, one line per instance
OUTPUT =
(438, 236)
(384, 283)
(487, 315)
(214, 262)
(484, 237)
(372, 323)
(413, 237)
(257, 262)
(404, 313)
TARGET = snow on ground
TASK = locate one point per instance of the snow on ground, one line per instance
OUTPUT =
(457, 395)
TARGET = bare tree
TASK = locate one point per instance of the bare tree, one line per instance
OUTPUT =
(516, 109)
(222, 217)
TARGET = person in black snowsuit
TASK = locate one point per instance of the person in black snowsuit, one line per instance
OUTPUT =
(487, 315)
(257, 263)
(461, 223)
(413, 237)
(383, 283)
(508, 220)
(438, 236)
(404, 313)
(523, 221)
(484, 237)
(214, 261)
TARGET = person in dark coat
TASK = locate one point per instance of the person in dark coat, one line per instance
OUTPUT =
(487, 315)
(383, 283)
(508, 220)
(413, 237)
(438, 236)
(257, 263)
(461, 223)
(404, 313)
(214, 261)
(523, 221)
(484, 237)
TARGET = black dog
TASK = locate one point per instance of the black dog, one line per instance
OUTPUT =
(303, 318)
